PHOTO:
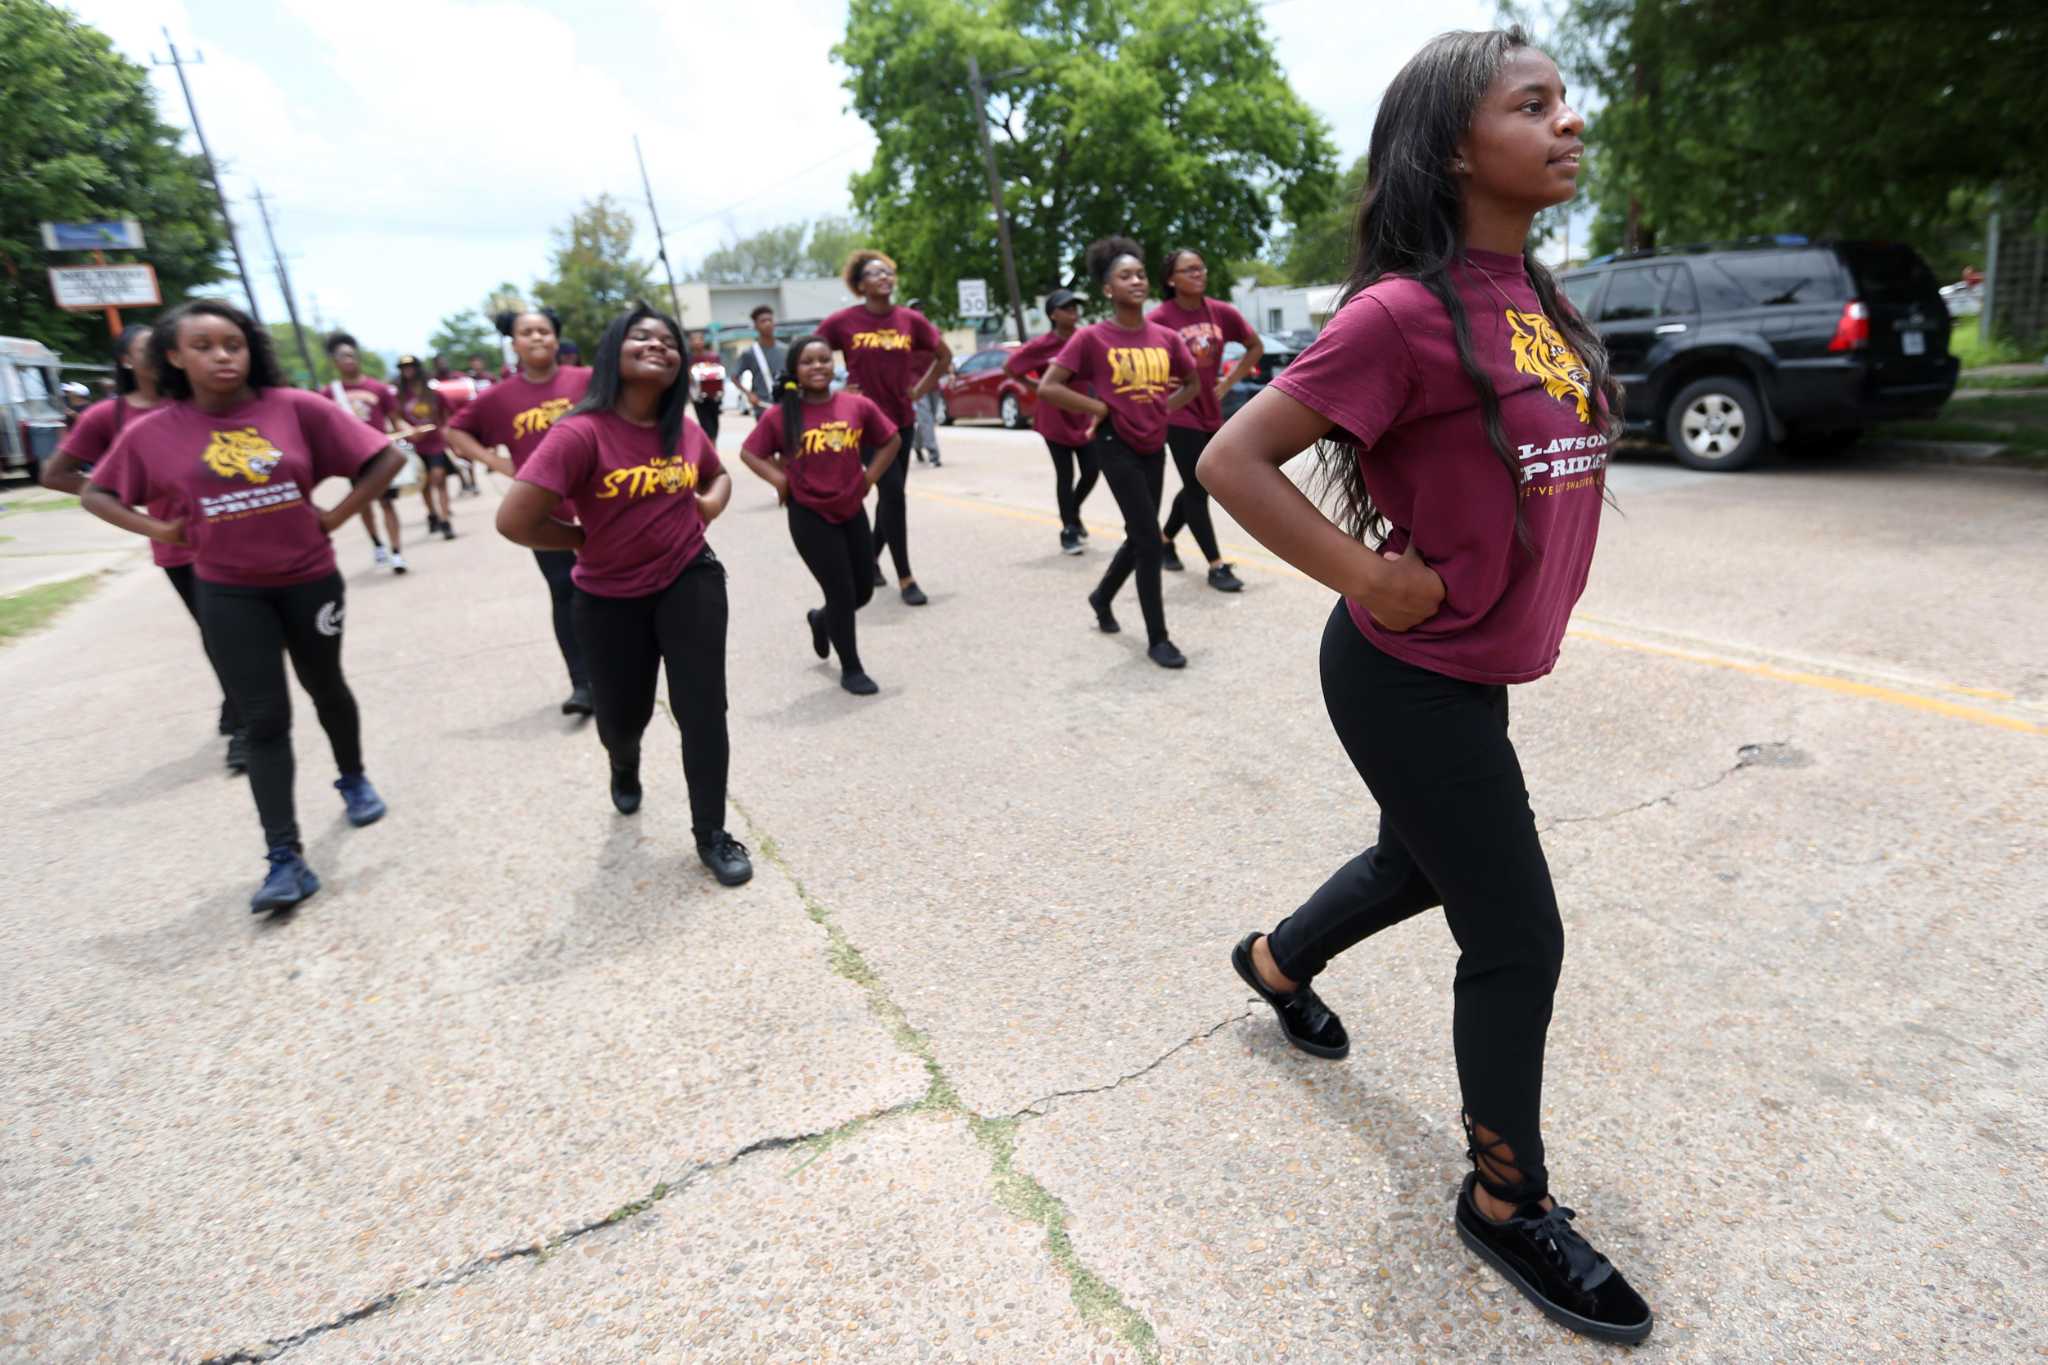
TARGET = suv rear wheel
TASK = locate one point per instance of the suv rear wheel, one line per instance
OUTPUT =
(1716, 423)
(1013, 411)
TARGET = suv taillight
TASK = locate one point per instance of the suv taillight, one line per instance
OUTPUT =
(1852, 329)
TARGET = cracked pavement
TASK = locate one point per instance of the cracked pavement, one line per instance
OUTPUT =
(964, 1074)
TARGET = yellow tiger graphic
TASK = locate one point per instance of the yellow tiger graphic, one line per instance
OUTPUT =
(245, 453)
(1541, 351)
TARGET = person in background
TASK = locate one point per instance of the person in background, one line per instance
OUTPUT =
(1069, 436)
(707, 384)
(456, 391)
(479, 374)
(761, 362)
(88, 441)
(929, 409)
(372, 401)
(425, 417)
(1207, 327)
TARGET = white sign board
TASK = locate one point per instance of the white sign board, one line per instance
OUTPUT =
(88, 287)
(974, 298)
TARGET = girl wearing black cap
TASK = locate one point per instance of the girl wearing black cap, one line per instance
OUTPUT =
(1068, 435)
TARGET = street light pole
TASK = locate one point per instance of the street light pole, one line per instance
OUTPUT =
(284, 283)
(212, 173)
(979, 93)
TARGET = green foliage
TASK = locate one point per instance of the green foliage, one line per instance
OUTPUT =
(1319, 248)
(80, 139)
(790, 251)
(1829, 117)
(595, 277)
(284, 340)
(462, 335)
(1167, 120)
(833, 239)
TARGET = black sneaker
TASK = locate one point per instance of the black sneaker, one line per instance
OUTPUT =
(859, 683)
(578, 702)
(360, 800)
(238, 752)
(433, 523)
(726, 857)
(288, 883)
(1541, 1254)
(820, 644)
(1223, 580)
(881, 579)
(1070, 541)
(913, 596)
(1171, 563)
(1305, 1020)
(626, 786)
(1167, 655)
(1105, 619)
(448, 533)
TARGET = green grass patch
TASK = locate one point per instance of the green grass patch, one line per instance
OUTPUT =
(1975, 353)
(27, 612)
(2002, 381)
(2019, 423)
(65, 503)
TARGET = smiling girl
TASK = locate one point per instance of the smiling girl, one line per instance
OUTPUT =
(1458, 556)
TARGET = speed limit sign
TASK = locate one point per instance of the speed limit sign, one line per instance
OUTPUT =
(974, 298)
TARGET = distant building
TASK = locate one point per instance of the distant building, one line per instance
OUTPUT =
(1279, 309)
(721, 308)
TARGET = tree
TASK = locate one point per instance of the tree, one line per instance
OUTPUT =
(284, 340)
(1167, 120)
(1319, 248)
(1830, 117)
(791, 251)
(462, 335)
(833, 239)
(595, 276)
(83, 141)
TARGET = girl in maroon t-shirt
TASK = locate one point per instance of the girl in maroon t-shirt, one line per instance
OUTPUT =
(88, 441)
(1463, 410)
(425, 415)
(1069, 436)
(229, 467)
(1207, 327)
(644, 481)
(808, 448)
(1142, 373)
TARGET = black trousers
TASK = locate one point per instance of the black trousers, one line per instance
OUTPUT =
(629, 640)
(892, 524)
(187, 587)
(707, 416)
(838, 554)
(1070, 494)
(250, 632)
(1191, 504)
(1135, 481)
(1455, 830)
(555, 567)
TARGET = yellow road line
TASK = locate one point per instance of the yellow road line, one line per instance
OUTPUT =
(1841, 686)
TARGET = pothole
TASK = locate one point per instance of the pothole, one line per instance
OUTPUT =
(1777, 755)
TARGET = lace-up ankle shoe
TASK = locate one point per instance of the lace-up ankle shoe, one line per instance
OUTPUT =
(1541, 1254)
(626, 786)
(726, 857)
(365, 807)
(1223, 579)
(1167, 655)
(1105, 619)
(821, 644)
(1171, 562)
(288, 883)
(1305, 1020)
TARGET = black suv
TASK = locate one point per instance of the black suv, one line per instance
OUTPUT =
(1724, 350)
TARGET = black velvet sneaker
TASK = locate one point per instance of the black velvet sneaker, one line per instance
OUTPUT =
(1171, 559)
(1105, 619)
(1305, 1020)
(1541, 1254)
(820, 644)
(626, 786)
(726, 857)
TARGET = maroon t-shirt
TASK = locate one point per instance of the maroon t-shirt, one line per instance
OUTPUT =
(516, 413)
(243, 480)
(825, 472)
(1385, 371)
(637, 500)
(1206, 330)
(1134, 371)
(1054, 423)
(370, 399)
(88, 441)
(880, 352)
(423, 410)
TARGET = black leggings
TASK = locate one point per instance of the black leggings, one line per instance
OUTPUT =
(555, 567)
(1191, 504)
(1455, 830)
(1070, 494)
(249, 631)
(1135, 480)
(892, 525)
(838, 554)
(187, 588)
(707, 416)
(629, 640)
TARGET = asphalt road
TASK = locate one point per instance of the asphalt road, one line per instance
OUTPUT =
(964, 1073)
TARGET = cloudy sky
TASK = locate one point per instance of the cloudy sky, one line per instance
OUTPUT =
(417, 152)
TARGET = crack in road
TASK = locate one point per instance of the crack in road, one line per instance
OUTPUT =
(1032, 1109)
(1748, 756)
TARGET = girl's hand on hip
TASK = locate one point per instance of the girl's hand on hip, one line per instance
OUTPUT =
(1408, 592)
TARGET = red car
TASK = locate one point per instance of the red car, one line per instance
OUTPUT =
(978, 388)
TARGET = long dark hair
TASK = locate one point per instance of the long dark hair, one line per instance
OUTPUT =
(606, 386)
(789, 397)
(417, 385)
(124, 373)
(171, 381)
(1410, 224)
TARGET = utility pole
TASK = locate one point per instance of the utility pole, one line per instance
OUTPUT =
(979, 93)
(284, 282)
(660, 243)
(212, 172)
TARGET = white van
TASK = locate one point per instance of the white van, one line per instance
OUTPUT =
(31, 405)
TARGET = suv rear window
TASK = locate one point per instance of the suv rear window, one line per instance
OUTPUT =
(1774, 279)
(1888, 273)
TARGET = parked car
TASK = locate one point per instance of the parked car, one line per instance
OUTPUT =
(977, 389)
(1724, 350)
(1279, 350)
(32, 412)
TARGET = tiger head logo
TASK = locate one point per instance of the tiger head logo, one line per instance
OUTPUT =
(241, 454)
(1540, 351)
